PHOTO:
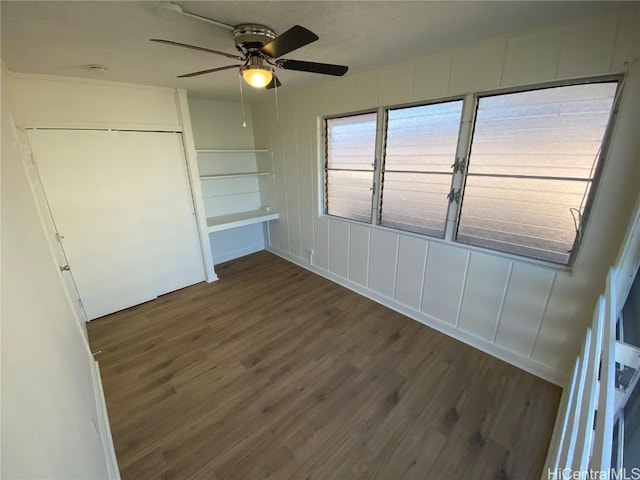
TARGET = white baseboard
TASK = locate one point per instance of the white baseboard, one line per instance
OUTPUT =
(103, 425)
(238, 253)
(545, 372)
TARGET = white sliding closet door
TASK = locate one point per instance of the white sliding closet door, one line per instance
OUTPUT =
(121, 202)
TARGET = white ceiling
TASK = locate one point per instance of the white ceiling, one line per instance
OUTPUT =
(61, 38)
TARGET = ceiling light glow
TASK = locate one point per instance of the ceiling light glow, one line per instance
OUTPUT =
(257, 76)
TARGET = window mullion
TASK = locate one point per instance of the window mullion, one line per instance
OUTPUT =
(381, 129)
(349, 153)
(462, 155)
(325, 168)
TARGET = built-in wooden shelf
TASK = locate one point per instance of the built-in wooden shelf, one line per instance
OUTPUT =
(231, 151)
(232, 175)
(225, 222)
(238, 195)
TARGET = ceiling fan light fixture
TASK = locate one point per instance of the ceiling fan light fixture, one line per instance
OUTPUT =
(261, 51)
(258, 76)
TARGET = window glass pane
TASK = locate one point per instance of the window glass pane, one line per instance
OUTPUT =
(416, 202)
(533, 158)
(350, 155)
(529, 217)
(420, 149)
(424, 138)
(351, 142)
(349, 194)
(551, 132)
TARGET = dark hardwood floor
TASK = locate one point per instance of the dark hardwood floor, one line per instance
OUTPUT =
(275, 372)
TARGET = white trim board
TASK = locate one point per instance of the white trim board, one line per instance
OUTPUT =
(195, 186)
(549, 374)
(103, 424)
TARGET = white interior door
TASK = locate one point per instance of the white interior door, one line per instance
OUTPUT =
(171, 240)
(121, 203)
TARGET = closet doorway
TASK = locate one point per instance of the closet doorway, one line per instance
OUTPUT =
(123, 209)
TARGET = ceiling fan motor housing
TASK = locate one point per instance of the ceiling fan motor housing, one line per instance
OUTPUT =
(252, 36)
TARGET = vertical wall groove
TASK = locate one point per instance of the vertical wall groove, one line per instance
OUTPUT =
(504, 296)
(544, 312)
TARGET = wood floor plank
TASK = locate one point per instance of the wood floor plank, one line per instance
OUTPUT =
(276, 373)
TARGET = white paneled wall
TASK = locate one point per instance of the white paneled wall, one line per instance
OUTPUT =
(432, 76)
(339, 248)
(527, 295)
(477, 68)
(359, 254)
(527, 313)
(61, 102)
(540, 48)
(445, 276)
(588, 46)
(484, 294)
(383, 257)
(412, 255)
(321, 243)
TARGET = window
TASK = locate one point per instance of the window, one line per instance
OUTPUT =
(524, 187)
(349, 166)
(531, 168)
(420, 149)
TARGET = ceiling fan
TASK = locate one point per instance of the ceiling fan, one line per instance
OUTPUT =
(260, 51)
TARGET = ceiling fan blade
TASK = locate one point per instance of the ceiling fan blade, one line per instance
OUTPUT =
(211, 70)
(273, 83)
(194, 47)
(289, 41)
(313, 67)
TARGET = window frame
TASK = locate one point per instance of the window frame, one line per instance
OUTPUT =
(470, 103)
(619, 79)
(325, 163)
(383, 158)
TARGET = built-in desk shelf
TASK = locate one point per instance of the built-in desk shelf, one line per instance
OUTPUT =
(232, 151)
(233, 183)
(234, 175)
(225, 222)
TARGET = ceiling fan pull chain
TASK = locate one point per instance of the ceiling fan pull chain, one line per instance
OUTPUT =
(277, 108)
(244, 122)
